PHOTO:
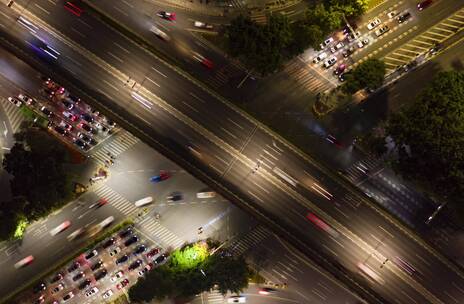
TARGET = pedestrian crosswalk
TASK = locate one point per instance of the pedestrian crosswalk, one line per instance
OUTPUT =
(301, 76)
(258, 16)
(115, 199)
(240, 4)
(155, 230)
(252, 238)
(360, 169)
(121, 142)
(222, 76)
(13, 113)
(215, 297)
(425, 41)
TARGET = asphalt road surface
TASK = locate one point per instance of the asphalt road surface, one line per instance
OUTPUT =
(261, 168)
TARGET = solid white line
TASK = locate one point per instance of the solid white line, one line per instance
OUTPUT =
(127, 3)
(39, 7)
(152, 81)
(260, 187)
(192, 108)
(198, 98)
(120, 10)
(78, 32)
(115, 57)
(255, 196)
(159, 72)
(228, 132)
(110, 85)
(268, 153)
(125, 50)
(84, 23)
(235, 123)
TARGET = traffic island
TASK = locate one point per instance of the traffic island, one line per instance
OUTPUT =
(328, 101)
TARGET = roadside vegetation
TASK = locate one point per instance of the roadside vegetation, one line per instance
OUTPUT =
(40, 182)
(193, 269)
(264, 48)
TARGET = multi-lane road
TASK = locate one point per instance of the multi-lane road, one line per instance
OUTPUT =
(250, 164)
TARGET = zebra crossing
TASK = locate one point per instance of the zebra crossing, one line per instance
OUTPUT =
(360, 168)
(303, 77)
(222, 76)
(215, 297)
(238, 4)
(254, 237)
(13, 113)
(258, 16)
(425, 41)
(122, 142)
(119, 202)
(163, 235)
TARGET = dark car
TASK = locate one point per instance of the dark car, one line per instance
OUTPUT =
(424, 4)
(78, 276)
(125, 233)
(60, 130)
(39, 287)
(87, 117)
(74, 266)
(87, 139)
(86, 283)
(140, 249)
(342, 77)
(91, 254)
(122, 259)
(69, 105)
(348, 52)
(74, 98)
(57, 277)
(97, 265)
(174, 196)
(58, 288)
(101, 274)
(85, 127)
(159, 260)
(132, 240)
(135, 264)
(80, 144)
(46, 111)
(108, 243)
(404, 17)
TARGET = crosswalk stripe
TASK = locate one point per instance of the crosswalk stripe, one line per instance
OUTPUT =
(13, 113)
(155, 229)
(115, 199)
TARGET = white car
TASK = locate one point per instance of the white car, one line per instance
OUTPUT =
(27, 99)
(320, 57)
(15, 101)
(202, 25)
(330, 62)
(106, 222)
(382, 30)
(337, 47)
(374, 23)
(237, 299)
(60, 228)
(117, 276)
(207, 194)
(91, 291)
(363, 43)
(327, 42)
(159, 33)
(392, 14)
(107, 294)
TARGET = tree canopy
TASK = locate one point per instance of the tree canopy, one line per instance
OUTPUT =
(40, 181)
(190, 271)
(430, 136)
(369, 74)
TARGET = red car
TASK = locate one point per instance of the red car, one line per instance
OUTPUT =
(207, 63)
(167, 16)
(24, 262)
(73, 8)
(424, 4)
(122, 284)
(152, 253)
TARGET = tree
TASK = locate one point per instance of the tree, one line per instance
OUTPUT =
(429, 136)
(12, 219)
(157, 284)
(229, 273)
(37, 164)
(369, 74)
(351, 8)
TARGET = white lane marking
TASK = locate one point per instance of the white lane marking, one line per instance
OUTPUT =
(274, 150)
(152, 81)
(115, 57)
(255, 196)
(198, 98)
(109, 84)
(41, 8)
(5, 132)
(78, 32)
(84, 23)
(260, 187)
(189, 106)
(275, 146)
(4, 15)
(84, 214)
(122, 48)
(235, 123)
(221, 159)
(142, 100)
(228, 133)
(267, 159)
(212, 166)
(121, 11)
(127, 3)
(159, 72)
(269, 153)
(52, 2)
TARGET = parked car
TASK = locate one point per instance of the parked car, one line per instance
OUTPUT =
(330, 62)
(405, 16)
(320, 57)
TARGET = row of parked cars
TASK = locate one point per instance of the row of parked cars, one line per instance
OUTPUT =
(83, 274)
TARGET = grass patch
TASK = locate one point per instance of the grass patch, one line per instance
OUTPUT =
(32, 116)
(374, 3)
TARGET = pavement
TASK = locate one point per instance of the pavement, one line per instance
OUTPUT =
(263, 170)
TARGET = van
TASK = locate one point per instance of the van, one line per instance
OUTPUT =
(144, 201)
(207, 194)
